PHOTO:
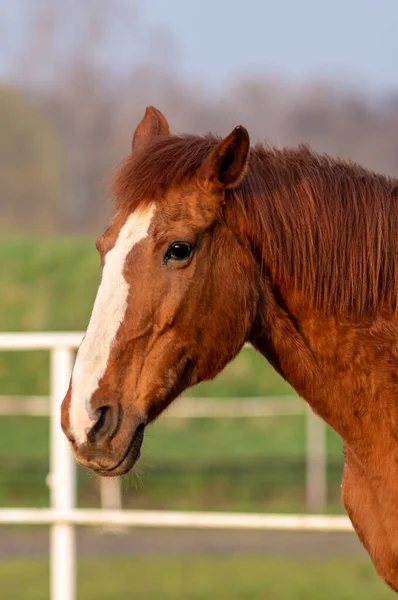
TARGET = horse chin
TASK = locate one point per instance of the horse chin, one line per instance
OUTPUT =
(129, 458)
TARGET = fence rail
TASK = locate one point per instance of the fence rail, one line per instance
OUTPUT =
(176, 519)
(185, 408)
(63, 515)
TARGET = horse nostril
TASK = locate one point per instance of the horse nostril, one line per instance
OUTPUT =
(106, 426)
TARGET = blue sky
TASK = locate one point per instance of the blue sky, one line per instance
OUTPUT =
(353, 41)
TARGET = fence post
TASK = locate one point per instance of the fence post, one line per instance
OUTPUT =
(111, 493)
(111, 499)
(62, 483)
(316, 484)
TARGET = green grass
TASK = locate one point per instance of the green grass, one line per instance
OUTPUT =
(46, 285)
(203, 464)
(186, 578)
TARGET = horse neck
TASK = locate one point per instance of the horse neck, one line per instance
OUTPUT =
(282, 333)
(343, 367)
(290, 330)
(343, 363)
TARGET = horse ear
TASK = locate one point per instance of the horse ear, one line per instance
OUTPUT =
(226, 164)
(152, 123)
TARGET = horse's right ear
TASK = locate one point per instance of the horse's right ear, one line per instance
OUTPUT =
(226, 164)
(152, 123)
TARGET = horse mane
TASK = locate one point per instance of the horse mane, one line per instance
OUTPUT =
(330, 226)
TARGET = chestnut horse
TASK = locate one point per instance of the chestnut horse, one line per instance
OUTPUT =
(213, 245)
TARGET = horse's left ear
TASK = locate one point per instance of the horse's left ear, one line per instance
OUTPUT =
(152, 123)
(226, 164)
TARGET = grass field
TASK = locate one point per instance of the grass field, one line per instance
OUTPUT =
(237, 578)
(240, 464)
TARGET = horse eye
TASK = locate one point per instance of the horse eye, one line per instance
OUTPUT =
(178, 251)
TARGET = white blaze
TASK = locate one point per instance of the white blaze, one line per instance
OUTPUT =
(107, 315)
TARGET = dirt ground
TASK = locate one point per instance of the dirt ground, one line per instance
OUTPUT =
(15, 542)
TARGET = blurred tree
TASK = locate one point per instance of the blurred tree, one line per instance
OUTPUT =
(65, 59)
(29, 166)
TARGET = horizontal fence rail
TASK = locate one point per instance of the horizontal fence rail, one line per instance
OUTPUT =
(41, 340)
(63, 516)
(185, 408)
(176, 519)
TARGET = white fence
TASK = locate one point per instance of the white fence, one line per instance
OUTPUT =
(232, 408)
(63, 515)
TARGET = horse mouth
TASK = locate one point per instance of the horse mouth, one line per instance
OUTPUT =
(129, 458)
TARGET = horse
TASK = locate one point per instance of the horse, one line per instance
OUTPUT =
(214, 244)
